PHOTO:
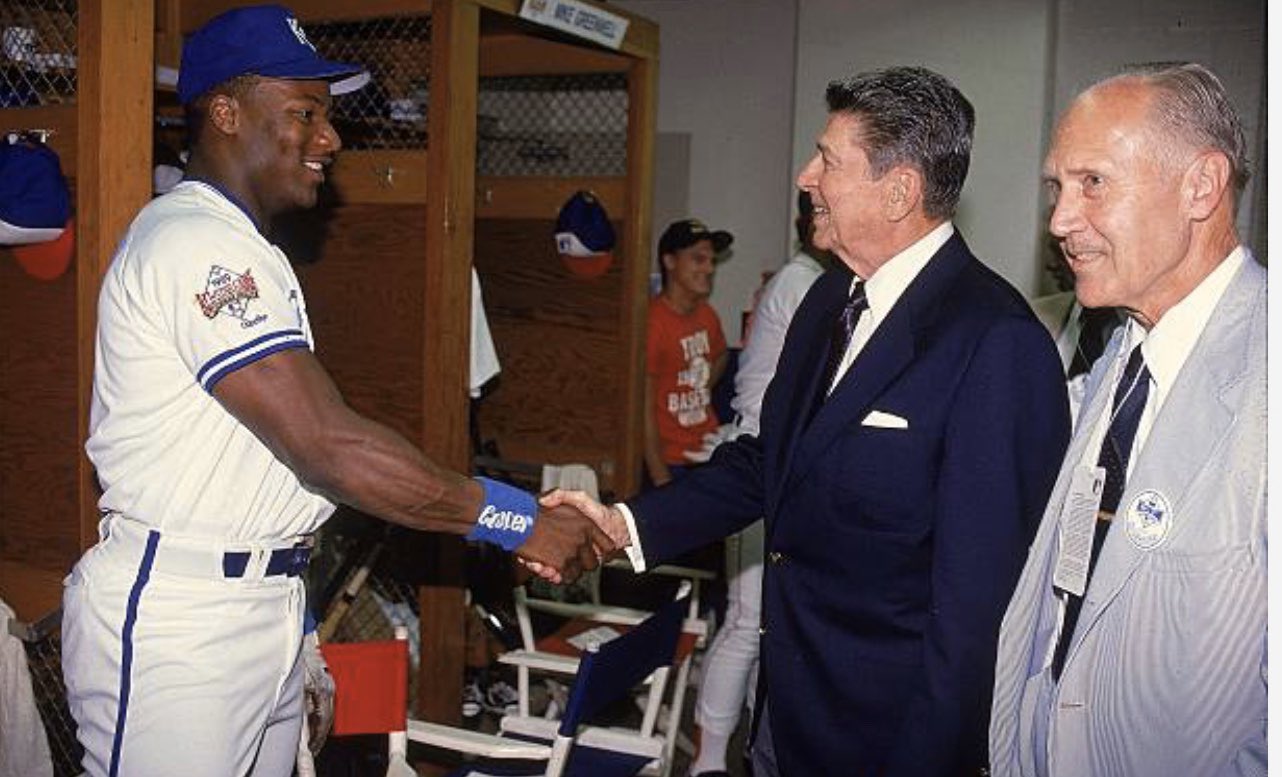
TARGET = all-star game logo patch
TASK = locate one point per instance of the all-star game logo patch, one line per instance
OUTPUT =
(231, 293)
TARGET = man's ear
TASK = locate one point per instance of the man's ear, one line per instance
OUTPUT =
(903, 192)
(224, 113)
(1206, 183)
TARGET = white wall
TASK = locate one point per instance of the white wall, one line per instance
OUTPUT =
(726, 79)
(995, 52)
(744, 80)
(1097, 37)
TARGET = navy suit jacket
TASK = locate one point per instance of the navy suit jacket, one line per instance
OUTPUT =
(891, 553)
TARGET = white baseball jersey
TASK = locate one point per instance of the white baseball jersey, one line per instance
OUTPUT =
(195, 292)
(182, 626)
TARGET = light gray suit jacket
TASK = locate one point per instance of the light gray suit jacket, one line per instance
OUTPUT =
(1166, 673)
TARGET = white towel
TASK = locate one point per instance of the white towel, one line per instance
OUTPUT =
(24, 749)
(485, 360)
(572, 477)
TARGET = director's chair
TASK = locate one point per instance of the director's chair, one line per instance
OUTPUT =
(372, 699)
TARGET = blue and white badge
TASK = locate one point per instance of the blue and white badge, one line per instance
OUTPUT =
(1148, 520)
(506, 517)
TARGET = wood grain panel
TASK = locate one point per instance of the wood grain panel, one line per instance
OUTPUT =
(59, 118)
(364, 290)
(115, 102)
(553, 397)
(169, 33)
(559, 396)
(642, 116)
(39, 475)
(530, 197)
(446, 314)
(513, 54)
(386, 177)
(33, 592)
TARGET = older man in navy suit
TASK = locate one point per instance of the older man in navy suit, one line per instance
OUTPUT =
(908, 444)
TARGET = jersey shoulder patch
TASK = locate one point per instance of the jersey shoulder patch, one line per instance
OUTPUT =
(230, 293)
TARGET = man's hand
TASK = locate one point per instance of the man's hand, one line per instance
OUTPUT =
(609, 519)
(564, 544)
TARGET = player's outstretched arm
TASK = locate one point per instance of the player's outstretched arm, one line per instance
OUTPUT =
(290, 403)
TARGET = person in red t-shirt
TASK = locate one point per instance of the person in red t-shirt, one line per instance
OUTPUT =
(685, 350)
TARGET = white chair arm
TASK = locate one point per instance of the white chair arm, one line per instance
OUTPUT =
(544, 662)
(603, 613)
(466, 741)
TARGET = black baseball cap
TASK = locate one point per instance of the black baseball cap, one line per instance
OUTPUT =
(687, 232)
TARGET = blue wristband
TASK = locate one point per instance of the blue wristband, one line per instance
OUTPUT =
(507, 516)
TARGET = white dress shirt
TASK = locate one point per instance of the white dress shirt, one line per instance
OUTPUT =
(885, 287)
(1166, 347)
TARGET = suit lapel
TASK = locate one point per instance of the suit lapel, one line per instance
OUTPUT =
(888, 352)
(1191, 424)
(806, 378)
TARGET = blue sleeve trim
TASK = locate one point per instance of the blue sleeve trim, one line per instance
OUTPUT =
(250, 358)
(215, 364)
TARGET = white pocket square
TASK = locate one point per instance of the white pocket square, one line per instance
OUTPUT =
(885, 420)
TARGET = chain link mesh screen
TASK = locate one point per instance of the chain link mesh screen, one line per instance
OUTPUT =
(44, 660)
(37, 52)
(391, 111)
(571, 125)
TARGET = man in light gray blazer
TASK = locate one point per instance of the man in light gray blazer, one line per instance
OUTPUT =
(1135, 641)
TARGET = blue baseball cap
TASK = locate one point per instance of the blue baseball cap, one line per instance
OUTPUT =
(584, 235)
(34, 200)
(35, 209)
(264, 40)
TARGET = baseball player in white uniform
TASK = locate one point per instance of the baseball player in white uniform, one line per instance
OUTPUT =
(221, 444)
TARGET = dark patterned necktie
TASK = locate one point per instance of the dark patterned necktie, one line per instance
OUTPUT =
(1115, 452)
(843, 329)
(1097, 325)
(1128, 405)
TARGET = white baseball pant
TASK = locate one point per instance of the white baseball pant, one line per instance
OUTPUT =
(172, 667)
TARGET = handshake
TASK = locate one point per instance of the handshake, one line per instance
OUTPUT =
(573, 533)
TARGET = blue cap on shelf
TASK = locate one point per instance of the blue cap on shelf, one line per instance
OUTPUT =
(584, 235)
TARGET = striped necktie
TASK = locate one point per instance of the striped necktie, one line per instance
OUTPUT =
(1115, 453)
(843, 330)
